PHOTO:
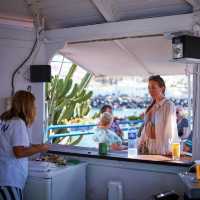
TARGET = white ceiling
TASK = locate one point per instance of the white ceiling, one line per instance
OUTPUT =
(88, 22)
(71, 13)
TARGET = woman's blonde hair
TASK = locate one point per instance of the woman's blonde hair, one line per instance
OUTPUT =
(106, 118)
(180, 110)
(22, 106)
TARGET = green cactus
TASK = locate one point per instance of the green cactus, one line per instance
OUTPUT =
(83, 98)
(67, 100)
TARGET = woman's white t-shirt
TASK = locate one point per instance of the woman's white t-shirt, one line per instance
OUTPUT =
(13, 171)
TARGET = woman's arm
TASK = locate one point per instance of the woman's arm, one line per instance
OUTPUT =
(116, 128)
(21, 151)
(118, 147)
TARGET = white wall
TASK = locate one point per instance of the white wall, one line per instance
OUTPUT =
(139, 180)
(15, 45)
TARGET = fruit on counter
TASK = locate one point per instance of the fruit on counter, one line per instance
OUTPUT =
(73, 161)
(54, 158)
(134, 117)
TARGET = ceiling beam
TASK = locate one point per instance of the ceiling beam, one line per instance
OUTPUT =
(191, 2)
(194, 3)
(107, 8)
(118, 30)
(18, 22)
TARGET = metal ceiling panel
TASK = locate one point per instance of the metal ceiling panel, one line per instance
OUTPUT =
(134, 9)
(156, 54)
(70, 13)
(14, 8)
(103, 58)
(143, 56)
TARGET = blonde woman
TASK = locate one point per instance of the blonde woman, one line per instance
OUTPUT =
(15, 145)
(182, 123)
(103, 134)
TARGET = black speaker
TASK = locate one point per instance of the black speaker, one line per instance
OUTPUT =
(40, 73)
(186, 48)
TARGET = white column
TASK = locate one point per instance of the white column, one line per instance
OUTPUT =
(43, 57)
(196, 84)
(196, 113)
(189, 100)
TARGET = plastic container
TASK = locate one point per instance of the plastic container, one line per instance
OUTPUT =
(115, 190)
(197, 165)
(132, 142)
(103, 149)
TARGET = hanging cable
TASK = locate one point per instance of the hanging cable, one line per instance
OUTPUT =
(33, 6)
(22, 64)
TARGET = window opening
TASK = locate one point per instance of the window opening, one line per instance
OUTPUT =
(128, 97)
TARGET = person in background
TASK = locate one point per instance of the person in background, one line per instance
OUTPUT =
(103, 133)
(160, 128)
(15, 145)
(115, 125)
(182, 123)
(187, 145)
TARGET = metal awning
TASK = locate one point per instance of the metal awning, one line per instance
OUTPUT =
(132, 56)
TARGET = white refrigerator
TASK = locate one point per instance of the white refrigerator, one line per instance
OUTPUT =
(47, 181)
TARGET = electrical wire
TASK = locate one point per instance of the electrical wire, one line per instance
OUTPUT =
(22, 64)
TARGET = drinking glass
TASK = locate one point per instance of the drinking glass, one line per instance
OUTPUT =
(176, 151)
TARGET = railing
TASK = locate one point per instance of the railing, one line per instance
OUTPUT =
(85, 129)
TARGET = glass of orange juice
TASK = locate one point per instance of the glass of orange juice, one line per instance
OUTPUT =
(176, 151)
(197, 169)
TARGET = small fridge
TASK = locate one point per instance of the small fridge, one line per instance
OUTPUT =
(46, 181)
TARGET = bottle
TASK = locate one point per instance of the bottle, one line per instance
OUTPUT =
(132, 142)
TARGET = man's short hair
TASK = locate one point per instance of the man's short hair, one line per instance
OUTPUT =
(105, 107)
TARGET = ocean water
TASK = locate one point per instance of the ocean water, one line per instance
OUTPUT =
(122, 112)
